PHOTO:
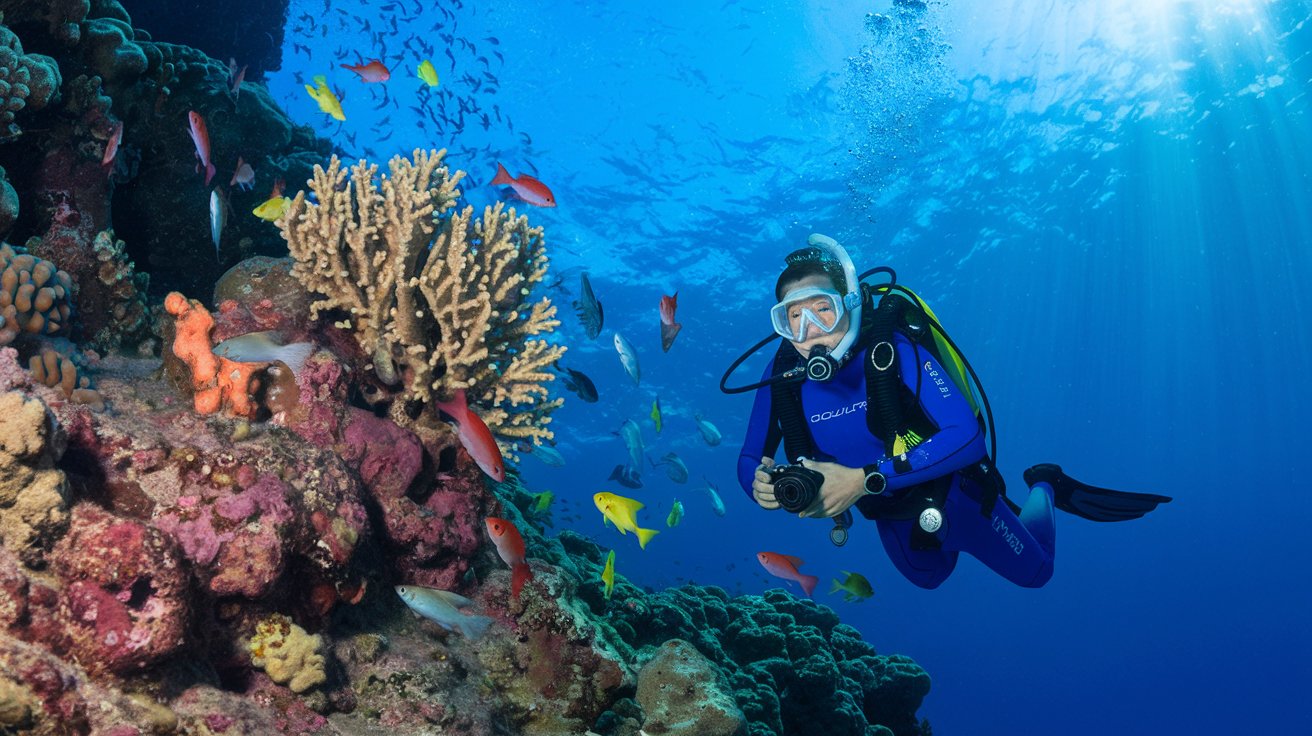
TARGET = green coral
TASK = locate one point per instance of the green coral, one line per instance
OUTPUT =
(289, 654)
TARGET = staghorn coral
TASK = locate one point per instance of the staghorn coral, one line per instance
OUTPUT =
(33, 493)
(437, 299)
(288, 654)
(27, 82)
(34, 295)
(58, 371)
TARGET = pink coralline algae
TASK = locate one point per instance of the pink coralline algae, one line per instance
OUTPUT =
(125, 600)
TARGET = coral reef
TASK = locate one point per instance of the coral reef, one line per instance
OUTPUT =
(250, 31)
(28, 82)
(288, 653)
(33, 492)
(34, 295)
(437, 301)
(679, 695)
(55, 370)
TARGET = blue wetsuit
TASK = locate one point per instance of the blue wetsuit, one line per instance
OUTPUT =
(836, 416)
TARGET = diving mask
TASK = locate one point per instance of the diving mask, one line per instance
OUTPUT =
(810, 308)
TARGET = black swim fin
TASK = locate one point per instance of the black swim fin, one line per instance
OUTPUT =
(1091, 502)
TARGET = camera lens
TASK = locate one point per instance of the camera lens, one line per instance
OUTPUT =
(795, 489)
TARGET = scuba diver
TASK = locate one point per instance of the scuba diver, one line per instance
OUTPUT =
(871, 400)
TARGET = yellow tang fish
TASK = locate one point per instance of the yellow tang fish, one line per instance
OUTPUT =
(656, 413)
(327, 99)
(608, 574)
(623, 513)
(272, 208)
(676, 513)
(427, 73)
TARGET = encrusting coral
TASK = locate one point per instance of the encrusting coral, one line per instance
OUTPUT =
(33, 493)
(288, 654)
(439, 301)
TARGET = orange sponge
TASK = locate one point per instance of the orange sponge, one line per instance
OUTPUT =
(217, 383)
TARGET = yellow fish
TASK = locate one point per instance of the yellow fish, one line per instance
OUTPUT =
(542, 501)
(623, 513)
(428, 73)
(328, 102)
(608, 574)
(656, 413)
(272, 208)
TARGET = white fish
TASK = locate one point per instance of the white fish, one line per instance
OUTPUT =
(218, 217)
(717, 504)
(628, 357)
(708, 430)
(632, 437)
(263, 347)
(443, 608)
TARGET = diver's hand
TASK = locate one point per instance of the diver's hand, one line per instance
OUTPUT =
(762, 488)
(843, 487)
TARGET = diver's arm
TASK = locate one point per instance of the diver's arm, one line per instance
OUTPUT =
(758, 428)
(959, 440)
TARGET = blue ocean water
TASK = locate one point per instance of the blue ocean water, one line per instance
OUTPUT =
(1107, 204)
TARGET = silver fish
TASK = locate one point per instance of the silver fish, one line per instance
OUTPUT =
(628, 357)
(263, 347)
(218, 217)
(717, 504)
(443, 608)
(626, 476)
(708, 430)
(549, 455)
(632, 437)
(588, 308)
(674, 467)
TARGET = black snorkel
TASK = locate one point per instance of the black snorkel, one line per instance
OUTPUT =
(805, 370)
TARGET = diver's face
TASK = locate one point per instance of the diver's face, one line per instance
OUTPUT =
(814, 337)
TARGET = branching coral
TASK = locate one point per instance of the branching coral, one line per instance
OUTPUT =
(437, 298)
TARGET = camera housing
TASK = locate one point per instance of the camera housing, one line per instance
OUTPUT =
(795, 487)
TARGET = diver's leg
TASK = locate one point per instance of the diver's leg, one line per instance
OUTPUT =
(1001, 540)
(925, 568)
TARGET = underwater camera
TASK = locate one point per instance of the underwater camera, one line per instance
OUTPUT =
(795, 487)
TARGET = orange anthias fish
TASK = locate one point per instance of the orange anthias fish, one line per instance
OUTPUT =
(669, 328)
(475, 436)
(111, 145)
(785, 566)
(529, 189)
(510, 545)
(374, 71)
(243, 176)
(200, 135)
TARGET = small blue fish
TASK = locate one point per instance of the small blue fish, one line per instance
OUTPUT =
(708, 430)
(717, 504)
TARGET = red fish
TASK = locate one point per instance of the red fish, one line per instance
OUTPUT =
(237, 78)
(510, 545)
(111, 145)
(475, 436)
(785, 566)
(669, 328)
(374, 71)
(529, 189)
(200, 135)
(243, 176)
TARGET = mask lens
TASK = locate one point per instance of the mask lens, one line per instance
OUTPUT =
(807, 310)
